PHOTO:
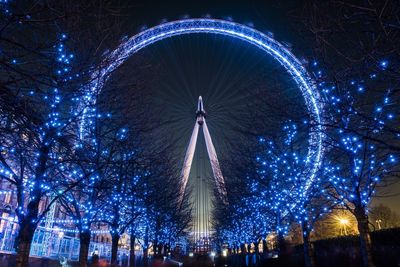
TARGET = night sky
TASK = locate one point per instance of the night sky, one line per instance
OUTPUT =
(221, 69)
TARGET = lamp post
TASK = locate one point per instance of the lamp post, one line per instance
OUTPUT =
(378, 222)
(343, 222)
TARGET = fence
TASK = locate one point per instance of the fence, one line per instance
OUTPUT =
(52, 244)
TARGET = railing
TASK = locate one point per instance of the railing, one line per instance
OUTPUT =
(52, 245)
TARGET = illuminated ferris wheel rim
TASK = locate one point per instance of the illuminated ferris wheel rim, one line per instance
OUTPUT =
(227, 28)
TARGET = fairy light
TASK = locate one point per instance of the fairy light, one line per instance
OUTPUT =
(282, 170)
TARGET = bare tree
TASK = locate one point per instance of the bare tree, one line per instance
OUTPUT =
(37, 127)
(356, 45)
(383, 217)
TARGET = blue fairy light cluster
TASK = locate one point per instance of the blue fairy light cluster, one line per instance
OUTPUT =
(277, 191)
(360, 128)
(102, 184)
(5, 7)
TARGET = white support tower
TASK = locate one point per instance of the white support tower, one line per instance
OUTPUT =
(212, 155)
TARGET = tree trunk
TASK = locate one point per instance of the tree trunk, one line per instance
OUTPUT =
(146, 248)
(132, 252)
(84, 241)
(145, 256)
(243, 248)
(162, 248)
(167, 249)
(24, 241)
(114, 248)
(365, 237)
(257, 246)
(309, 259)
(155, 248)
(28, 223)
(243, 254)
(115, 236)
(265, 246)
(27, 227)
(281, 246)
